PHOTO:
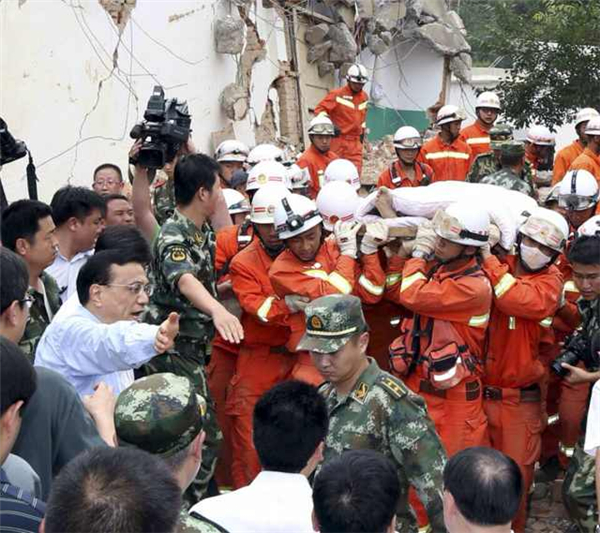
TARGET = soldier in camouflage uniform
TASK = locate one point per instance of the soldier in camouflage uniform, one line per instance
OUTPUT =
(371, 409)
(163, 415)
(512, 160)
(163, 196)
(488, 163)
(184, 256)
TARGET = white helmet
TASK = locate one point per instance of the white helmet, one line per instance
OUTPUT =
(231, 150)
(449, 113)
(578, 190)
(540, 135)
(264, 152)
(585, 114)
(463, 223)
(488, 99)
(264, 202)
(294, 215)
(321, 125)
(357, 73)
(593, 126)
(267, 172)
(342, 170)
(337, 200)
(590, 228)
(236, 202)
(300, 177)
(546, 227)
(407, 138)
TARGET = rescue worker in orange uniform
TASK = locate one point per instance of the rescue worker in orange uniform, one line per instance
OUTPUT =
(314, 266)
(440, 349)
(527, 292)
(263, 359)
(347, 109)
(590, 158)
(231, 156)
(318, 155)
(448, 155)
(539, 152)
(342, 170)
(565, 157)
(477, 135)
(264, 172)
(406, 171)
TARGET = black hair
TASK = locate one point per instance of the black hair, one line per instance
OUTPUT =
(193, 172)
(355, 493)
(486, 485)
(77, 202)
(290, 421)
(128, 240)
(510, 160)
(21, 220)
(108, 166)
(96, 271)
(121, 490)
(115, 196)
(585, 250)
(14, 278)
(18, 379)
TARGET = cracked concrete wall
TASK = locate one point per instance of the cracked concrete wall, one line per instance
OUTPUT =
(68, 68)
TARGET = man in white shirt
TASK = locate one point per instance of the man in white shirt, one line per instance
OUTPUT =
(592, 438)
(77, 213)
(290, 424)
(482, 491)
(103, 340)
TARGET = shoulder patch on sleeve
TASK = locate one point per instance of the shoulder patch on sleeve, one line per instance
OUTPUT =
(394, 386)
(178, 254)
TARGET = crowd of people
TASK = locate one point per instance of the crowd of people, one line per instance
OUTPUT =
(226, 345)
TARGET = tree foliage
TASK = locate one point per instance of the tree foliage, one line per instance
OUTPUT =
(552, 51)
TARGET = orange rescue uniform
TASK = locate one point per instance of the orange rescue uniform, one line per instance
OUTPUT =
(329, 273)
(316, 162)
(589, 161)
(450, 294)
(263, 360)
(450, 162)
(564, 159)
(394, 176)
(348, 111)
(477, 137)
(523, 308)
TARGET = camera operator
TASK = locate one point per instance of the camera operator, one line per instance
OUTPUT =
(579, 491)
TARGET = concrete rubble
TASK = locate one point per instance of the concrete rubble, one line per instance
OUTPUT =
(229, 35)
(234, 101)
(344, 48)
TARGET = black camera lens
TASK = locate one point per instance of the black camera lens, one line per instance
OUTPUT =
(568, 357)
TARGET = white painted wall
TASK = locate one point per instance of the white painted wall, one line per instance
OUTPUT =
(53, 54)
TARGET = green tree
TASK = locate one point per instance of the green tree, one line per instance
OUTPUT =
(552, 51)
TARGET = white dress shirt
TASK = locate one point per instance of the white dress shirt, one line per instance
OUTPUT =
(275, 502)
(86, 351)
(65, 272)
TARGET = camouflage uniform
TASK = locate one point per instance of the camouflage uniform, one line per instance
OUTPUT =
(379, 414)
(505, 177)
(579, 486)
(163, 197)
(38, 319)
(162, 414)
(181, 248)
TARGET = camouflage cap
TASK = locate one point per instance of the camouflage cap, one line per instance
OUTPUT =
(499, 134)
(161, 414)
(516, 148)
(330, 322)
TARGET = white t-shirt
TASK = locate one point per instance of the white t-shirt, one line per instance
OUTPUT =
(592, 432)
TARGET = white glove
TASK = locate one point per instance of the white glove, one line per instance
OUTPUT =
(376, 236)
(407, 248)
(494, 235)
(425, 241)
(345, 236)
(296, 303)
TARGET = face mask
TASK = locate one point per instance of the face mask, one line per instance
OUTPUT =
(532, 258)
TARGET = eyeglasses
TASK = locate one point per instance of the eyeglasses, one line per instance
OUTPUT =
(134, 288)
(27, 301)
(575, 202)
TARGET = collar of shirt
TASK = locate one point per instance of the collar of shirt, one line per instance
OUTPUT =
(362, 386)
(456, 144)
(190, 229)
(270, 477)
(3, 477)
(77, 257)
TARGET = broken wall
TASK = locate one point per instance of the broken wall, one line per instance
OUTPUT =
(74, 91)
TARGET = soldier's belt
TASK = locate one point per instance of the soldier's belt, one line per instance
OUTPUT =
(472, 392)
(528, 394)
